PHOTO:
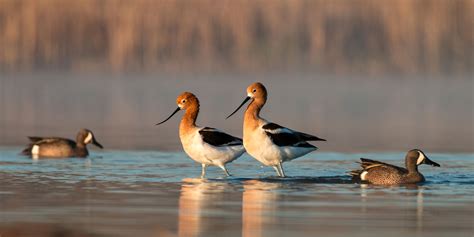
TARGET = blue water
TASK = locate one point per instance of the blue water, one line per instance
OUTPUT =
(153, 193)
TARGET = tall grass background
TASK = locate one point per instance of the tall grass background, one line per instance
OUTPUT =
(358, 36)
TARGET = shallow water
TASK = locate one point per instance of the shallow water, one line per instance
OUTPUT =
(152, 193)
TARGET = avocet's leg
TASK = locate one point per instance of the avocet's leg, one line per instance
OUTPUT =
(281, 171)
(225, 170)
(203, 171)
(277, 170)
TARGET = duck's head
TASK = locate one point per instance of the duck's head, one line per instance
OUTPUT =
(87, 137)
(256, 91)
(418, 157)
(184, 101)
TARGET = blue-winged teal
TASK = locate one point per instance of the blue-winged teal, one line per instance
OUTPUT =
(377, 172)
(56, 147)
(208, 146)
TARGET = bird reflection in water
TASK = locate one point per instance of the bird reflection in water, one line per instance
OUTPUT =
(198, 202)
(258, 207)
(410, 203)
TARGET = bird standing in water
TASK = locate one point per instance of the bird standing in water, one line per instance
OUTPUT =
(268, 142)
(205, 145)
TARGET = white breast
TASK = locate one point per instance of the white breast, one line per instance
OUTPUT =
(260, 146)
(204, 153)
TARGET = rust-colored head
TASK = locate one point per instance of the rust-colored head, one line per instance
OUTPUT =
(257, 91)
(186, 100)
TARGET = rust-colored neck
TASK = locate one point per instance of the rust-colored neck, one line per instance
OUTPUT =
(189, 119)
(252, 114)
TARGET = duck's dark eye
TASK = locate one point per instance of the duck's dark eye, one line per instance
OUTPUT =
(254, 90)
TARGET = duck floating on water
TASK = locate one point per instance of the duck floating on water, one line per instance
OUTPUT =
(376, 172)
(57, 147)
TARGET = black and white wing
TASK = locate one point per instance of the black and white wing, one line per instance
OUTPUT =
(218, 138)
(282, 136)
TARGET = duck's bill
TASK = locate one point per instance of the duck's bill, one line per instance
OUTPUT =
(430, 162)
(176, 111)
(95, 142)
(240, 106)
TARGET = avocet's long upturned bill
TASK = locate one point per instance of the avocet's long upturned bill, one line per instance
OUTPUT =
(268, 142)
(208, 146)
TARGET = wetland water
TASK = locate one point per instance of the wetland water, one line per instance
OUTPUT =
(152, 193)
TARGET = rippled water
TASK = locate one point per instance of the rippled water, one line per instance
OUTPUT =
(152, 193)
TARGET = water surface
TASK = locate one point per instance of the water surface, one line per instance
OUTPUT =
(153, 193)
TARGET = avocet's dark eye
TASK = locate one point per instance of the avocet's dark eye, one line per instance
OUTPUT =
(254, 90)
(183, 101)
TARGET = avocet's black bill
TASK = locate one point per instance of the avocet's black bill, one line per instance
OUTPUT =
(95, 142)
(430, 162)
(176, 111)
(240, 106)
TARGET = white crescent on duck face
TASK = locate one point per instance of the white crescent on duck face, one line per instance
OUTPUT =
(205, 145)
(88, 139)
(421, 158)
(268, 142)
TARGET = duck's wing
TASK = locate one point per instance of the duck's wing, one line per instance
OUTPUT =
(36, 139)
(52, 140)
(29, 147)
(41, 141)
(218, 138)
(283, 136)
(368, 164)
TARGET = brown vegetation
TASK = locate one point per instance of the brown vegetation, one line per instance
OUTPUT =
(368, 36)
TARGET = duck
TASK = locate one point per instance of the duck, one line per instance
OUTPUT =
(58, 147)
(205, 145)
(380, 173)
(269, 143)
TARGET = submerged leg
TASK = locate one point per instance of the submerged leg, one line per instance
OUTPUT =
(203, 171)
(280, 169)
(225, 170)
